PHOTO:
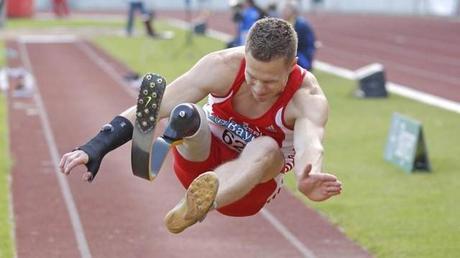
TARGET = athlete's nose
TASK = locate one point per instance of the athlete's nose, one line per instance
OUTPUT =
(259, 88)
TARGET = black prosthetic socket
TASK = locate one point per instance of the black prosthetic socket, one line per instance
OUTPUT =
(183, 122)
(111, 136)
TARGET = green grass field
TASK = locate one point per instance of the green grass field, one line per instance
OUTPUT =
(15, 24)
(169, 58)
(6, 243)
(389, 212)
(6, 249)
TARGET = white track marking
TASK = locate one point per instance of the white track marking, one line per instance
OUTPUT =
(10, 199)
(423, 97)
(106, 67)
(4, 85)
(283, 230)
(392, 87)
(401, 67)
(40, 39)
(339, 71)
(63, 183)
(395, 88)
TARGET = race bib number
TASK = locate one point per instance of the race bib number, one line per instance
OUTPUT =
(233, 141)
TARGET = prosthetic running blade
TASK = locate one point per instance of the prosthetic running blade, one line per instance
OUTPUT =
(160, 149)
(184, 121)
(147, 116)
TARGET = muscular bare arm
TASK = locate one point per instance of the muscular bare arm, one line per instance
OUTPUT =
(211, 74)
(311, 109)
(203, 78)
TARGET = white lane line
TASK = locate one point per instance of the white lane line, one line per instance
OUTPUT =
(106, 67)
(307, 253)
(423, 97)
(407, 69)
(63, 184)
(4, 84)
(10, 194)
(49, 38)
(339, 71)
(395, 88)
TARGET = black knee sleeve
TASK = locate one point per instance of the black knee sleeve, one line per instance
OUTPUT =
(112, 135)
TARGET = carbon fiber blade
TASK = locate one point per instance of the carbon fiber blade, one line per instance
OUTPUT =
(160, 149)
(147, 116)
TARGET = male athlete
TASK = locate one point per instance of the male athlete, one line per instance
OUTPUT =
(265, 116)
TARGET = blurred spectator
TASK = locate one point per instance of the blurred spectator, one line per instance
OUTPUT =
(272, 9)
(147, 17)
(306, 46)
(246, 13)
(60, 8)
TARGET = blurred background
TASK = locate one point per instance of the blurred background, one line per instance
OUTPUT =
(373, 59)
(407, 7)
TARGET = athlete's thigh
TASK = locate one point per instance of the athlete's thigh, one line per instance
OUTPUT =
(263, 153)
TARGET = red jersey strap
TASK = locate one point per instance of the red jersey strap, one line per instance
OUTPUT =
(297, 80)
(294, 82)
(239, 79)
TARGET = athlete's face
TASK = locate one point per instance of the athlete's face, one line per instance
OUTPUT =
(266, 80)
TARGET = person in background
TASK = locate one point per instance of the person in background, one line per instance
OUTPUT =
(147, 17)
(272, 9)
(306, 45)
(246, 14)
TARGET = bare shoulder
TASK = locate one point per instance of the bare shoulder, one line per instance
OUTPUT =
(220, 68)
(308, 102)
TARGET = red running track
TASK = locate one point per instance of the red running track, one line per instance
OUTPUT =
(419, 52)
(119, 215)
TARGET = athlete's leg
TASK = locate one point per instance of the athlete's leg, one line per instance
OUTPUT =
(199, 199)
(260, 161)
(196, 147)
(187, 129)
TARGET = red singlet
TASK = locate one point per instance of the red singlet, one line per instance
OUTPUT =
(231, 132)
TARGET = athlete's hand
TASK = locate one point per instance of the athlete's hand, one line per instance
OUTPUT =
(318, 186)
(72, 159)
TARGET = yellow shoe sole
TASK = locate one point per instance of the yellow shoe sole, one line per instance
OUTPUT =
(198, 200)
